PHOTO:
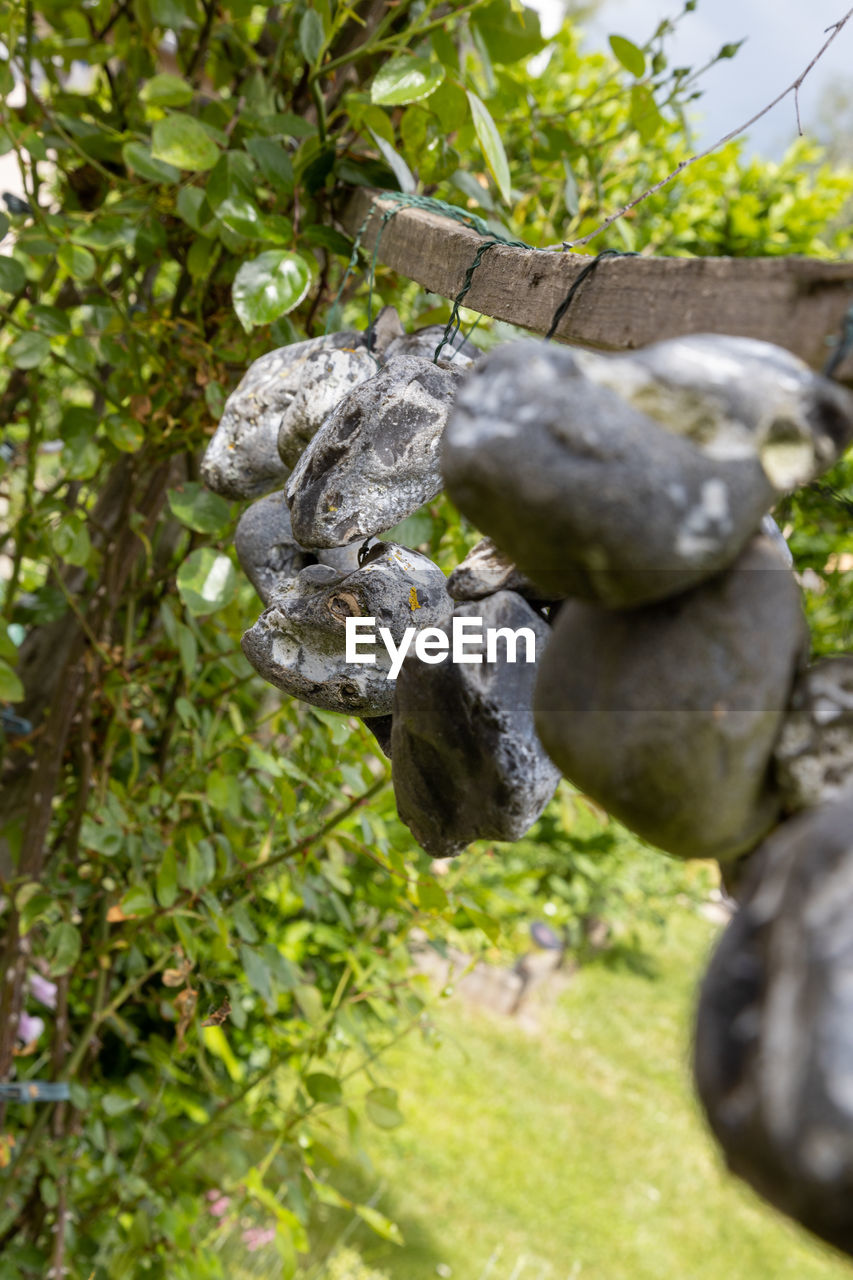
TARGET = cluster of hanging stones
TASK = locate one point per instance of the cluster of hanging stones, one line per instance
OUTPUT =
(625, 500)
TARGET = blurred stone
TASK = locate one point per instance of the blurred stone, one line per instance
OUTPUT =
(486, 570)
(375, 458)
(774, 1030)
(242, 459)
(814, 754)
(628, 478)
(667, 715)
(328, 375)
(299, 642)
(466, 762)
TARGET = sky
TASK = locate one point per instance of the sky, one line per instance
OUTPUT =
(781, 38)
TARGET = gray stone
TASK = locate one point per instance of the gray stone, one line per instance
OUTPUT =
(814, 754)
(327, 376)
(774, 1031)
(424, 342)
(375, 458)
(270, 555)
(266, 548)
(298, 643)
(466, 762)
(242, 459)
(667, 714)
(486, 570)
(629, 478)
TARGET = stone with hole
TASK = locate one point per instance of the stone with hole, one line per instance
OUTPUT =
(375, 458)
(299, 642)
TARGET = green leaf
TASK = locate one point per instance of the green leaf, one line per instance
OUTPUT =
(13, 277)
(29, 350)
(63, 948)
(223, 792)
(311, 35)
(184, 142)
(274, 163)
(124, 432)
(107, 233)
(377, 1222)
(50, 320)
(189, 206)
(490, 927)
(382, 1108)
(431, 896)
(241, 215)
(199, 509)
(139, 160)
(509, 32)
(269, 286)
(115, 1104)
(402, 172)
(77, 261)
(11, 689)
(206, 581)
(631, 58)
(257, 973)
(137, 901)
(328, 238)
(166, 883)
(324, 1088)
(645, 116)
(166, 90)
(491, 145)
(404, 80)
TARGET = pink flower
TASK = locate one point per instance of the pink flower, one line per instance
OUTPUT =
(29, 1028)
(218, 1203)
(255, 1238)
(44, 990)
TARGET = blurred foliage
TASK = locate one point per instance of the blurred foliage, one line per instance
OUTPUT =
(206, 893)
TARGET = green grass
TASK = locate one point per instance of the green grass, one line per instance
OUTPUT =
(579, 1146)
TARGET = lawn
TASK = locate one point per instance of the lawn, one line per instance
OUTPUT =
(573, 1152)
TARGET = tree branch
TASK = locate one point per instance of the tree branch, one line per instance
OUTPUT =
(836, 29)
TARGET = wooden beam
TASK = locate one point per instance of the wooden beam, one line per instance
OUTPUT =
(798, 303)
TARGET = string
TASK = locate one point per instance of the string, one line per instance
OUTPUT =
(587, 271)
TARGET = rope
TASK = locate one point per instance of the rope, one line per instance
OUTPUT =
(844, 346)
(587, 271)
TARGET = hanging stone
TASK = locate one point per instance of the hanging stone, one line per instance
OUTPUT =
(628, 478)
(328, 376)
(424, 342)
(774, 1030)
(299, 643)
(814, 754)
(375, 458)
(266, 548)
(270, 555)
(466, 762)
(486, 570)
(667, 715)
(242, 459)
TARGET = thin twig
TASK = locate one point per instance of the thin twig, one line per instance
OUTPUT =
(835, 28)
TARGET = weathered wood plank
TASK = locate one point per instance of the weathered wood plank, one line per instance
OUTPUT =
(796, 302)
